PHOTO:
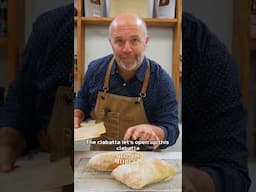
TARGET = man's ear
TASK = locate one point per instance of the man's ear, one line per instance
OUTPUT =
(147, 40)
(109, 40)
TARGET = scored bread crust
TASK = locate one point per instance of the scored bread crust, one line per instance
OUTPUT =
(110, 160)
(144, 172)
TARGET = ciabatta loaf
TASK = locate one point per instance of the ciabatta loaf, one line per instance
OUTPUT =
(144, 172)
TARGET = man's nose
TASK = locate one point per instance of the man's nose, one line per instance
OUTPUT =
(127, 47)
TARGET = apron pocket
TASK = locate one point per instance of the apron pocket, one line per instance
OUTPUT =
(111, 122)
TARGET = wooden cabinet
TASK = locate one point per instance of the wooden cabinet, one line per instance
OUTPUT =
(243, 45)
(14, 40)
(83, 22)
(243, 48)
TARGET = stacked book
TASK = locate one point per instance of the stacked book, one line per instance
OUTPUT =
(1, 96)
(3, 17)
(144, 8)
(253, 20)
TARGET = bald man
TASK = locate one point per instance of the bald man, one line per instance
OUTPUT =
(131, 93)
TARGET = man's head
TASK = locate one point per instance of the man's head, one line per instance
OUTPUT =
(128, 38)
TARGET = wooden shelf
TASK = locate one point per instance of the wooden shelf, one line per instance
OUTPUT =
(151, 22)
(75, 73)
(3, 41)
(12, 43)
(243, 45)
(253, 44)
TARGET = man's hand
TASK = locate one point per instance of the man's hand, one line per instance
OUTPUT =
(77, 122)
(7, 158)
(12, 144)
(78, 117)
(196, 180)
(145, 132)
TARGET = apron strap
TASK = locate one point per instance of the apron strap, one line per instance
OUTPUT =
(144, 85)
(145, 82)
(107, 76)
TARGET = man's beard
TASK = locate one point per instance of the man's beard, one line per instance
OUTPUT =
(137, 63)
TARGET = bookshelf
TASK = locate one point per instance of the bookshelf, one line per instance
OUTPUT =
(83, 22)
(3, 41)
(13, 41)
(243, 46)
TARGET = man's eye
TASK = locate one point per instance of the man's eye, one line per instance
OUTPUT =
(135, 40)
(119, 41)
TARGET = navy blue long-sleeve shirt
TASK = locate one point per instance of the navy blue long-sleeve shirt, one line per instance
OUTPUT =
(46, 64)
(160, 102)
(213, 115)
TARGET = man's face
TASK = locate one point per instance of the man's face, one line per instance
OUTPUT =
(128, 43)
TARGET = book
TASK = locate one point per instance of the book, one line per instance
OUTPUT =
(165, 8)
(3, 17)
(143, 8)
(253, 26)
(253, 7)
(95, 8)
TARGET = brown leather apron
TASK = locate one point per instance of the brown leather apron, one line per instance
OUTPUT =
(119, 113)
(60, 129)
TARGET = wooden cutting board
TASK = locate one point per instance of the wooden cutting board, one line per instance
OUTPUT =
(94, 181)
(89, 130)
